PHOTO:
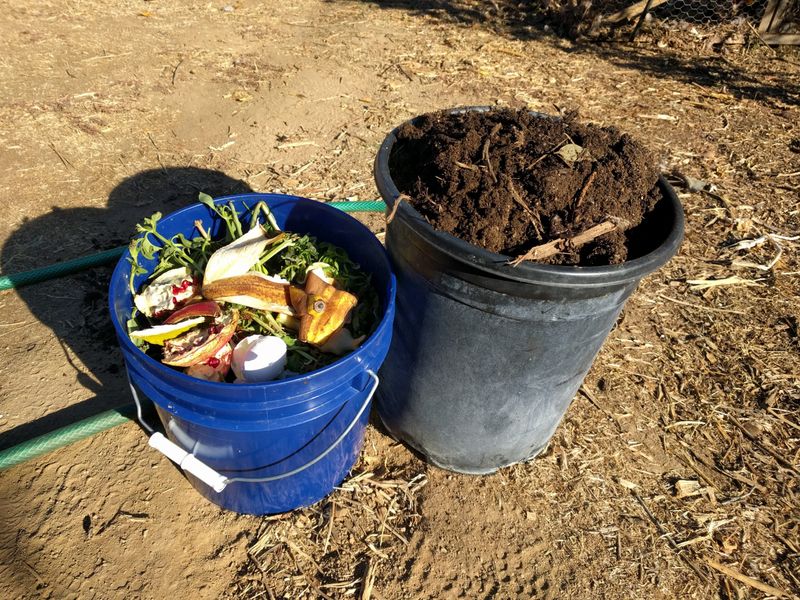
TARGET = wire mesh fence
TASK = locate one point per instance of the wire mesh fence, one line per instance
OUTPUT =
(611, 18)
(621, 19)
(697, 12)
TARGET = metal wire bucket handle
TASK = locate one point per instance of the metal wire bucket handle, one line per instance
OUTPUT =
(217, 481)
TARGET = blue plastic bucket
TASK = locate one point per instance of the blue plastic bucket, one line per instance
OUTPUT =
(268, 430)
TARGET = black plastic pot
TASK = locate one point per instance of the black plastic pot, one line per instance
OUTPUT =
(486, 358)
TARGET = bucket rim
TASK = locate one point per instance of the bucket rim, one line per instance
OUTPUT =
(495, 264)
(349, 361)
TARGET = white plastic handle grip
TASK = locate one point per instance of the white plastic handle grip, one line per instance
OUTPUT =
(188, 462)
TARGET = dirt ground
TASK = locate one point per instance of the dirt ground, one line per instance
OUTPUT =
(674, 473)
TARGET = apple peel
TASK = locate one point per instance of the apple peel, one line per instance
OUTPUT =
(208, 308)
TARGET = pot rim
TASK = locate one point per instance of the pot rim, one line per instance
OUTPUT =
(496, 264)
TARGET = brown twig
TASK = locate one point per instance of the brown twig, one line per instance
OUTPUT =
(700, 306)
(369, 580)
(590, 397)
(537, 224)
(735, 476)
(555, 246)
(486, 160)
(585, 188)
(741, 577)
(63, 160)
(158, 152)
(549, 152)
(665, 534)
(396, 205)
(404, 72)
(175, 70)
(330, 528)
(761, 39)
(782, 461)
(689, 461)
(631, 12)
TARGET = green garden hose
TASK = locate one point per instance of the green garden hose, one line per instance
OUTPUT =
(65, 436)
(18, 280)
(360, 206)
(111, 418)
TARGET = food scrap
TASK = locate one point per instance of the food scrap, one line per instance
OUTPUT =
(255, 305)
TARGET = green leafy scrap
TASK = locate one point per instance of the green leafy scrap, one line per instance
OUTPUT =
(290, 256)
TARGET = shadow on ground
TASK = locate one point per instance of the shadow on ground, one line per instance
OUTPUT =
(775, 81)
(75, 308)
(563, 25)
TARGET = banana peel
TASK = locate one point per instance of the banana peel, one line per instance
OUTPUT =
(323, 310)
(256, 290)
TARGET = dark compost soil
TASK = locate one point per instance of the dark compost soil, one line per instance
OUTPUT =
(508, 180)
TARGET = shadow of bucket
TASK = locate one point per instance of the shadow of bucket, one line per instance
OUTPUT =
(299, 436)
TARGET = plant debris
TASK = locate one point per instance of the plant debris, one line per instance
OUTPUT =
(335, 548)
(288, 286)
